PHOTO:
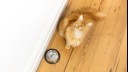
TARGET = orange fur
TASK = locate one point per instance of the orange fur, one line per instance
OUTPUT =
(75, 26)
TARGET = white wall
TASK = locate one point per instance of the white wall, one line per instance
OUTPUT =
(22, 24)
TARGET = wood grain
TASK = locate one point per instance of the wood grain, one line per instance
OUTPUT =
(105, 47)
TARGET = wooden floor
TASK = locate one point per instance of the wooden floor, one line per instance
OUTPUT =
(104, 49)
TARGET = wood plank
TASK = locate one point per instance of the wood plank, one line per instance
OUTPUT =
(109, 46)
(118, 29)
(121, 61)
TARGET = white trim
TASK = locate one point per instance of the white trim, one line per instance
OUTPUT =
(40, 48)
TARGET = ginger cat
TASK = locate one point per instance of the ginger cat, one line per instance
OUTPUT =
(75, 26)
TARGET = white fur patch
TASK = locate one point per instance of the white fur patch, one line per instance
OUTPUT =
(78, 33)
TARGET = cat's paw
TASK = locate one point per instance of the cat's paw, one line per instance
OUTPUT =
(76, 43)
(67, 47)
